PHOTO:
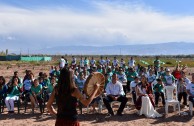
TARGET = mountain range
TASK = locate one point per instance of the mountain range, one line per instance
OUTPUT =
(171, 48)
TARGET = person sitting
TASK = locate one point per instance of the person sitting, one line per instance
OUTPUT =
(122, 78)
(151, 77)
(3, 88)
(114, 91)
(168, 79)
(144, 102)
(27, 85)
(133, 91)
(13, 94)
(190, 90)
(159, 91)
(131, 74)
(51, 86)
(177, 72)
(182, 92)
(15, 75)
(107, 80)
(35, 96)
(80, 81)
(185, 78)
(56, 72)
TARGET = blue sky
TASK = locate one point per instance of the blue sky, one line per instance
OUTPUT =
(38, 24)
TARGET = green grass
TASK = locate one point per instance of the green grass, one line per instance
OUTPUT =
(169, 61)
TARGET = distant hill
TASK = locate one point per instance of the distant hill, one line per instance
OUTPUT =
(171, 48)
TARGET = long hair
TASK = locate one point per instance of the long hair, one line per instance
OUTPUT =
(3, 83)
(65, 84)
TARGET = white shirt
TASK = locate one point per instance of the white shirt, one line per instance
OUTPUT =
(92, 62)
(62, 62)
(107, 61)
(190, 87)
(102, 62)
(151, 78)
(187, 81)
(133, 84)
(80, 83)
(81, 63)
(122, 77)
(114, 89)
(115, 62)
(73, 61)
(122, 63)
(131, 63)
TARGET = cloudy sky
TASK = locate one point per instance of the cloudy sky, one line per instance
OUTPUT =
(36, 24)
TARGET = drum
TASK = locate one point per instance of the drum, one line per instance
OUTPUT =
(94, 78)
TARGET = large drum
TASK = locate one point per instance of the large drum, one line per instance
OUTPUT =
(94, 78)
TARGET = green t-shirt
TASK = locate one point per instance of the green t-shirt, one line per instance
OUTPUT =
(50, 88)
(159, 87)
(157, 63)
(56, 73)
(15, 91)
(37, 89)
(46, 82)
(131, 75)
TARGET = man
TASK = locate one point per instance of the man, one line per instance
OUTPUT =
(131, 62)
(101, 61)
(115, 62)
(115, 92)
(122, 63)
(131, 74)
(62, 63)
(169, 79)
(73, 62)
(92, 62)
(190, 90)
(157, 64)
(122, 78)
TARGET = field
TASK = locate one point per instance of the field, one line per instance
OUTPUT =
(130, 118)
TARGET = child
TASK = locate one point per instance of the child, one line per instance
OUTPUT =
(181, 89)
(158, 91)
(14, 91)
(35, 95)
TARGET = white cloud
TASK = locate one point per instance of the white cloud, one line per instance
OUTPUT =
(110, 24)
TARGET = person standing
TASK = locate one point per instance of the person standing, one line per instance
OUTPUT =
(66, 94)
(62, 63)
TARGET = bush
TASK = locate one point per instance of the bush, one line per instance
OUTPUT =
(169, 63)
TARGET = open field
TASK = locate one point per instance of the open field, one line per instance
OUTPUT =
(130, 118)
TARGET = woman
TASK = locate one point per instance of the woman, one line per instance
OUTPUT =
(13, 94)
(3, 88)
(35, 95)
(66, 94)
(144, 102)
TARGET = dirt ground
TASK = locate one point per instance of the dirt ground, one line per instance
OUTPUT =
(129, 118)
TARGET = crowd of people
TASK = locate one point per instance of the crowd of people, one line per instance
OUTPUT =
(146, 84)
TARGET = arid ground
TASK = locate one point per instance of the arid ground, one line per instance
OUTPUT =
(129, 118)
